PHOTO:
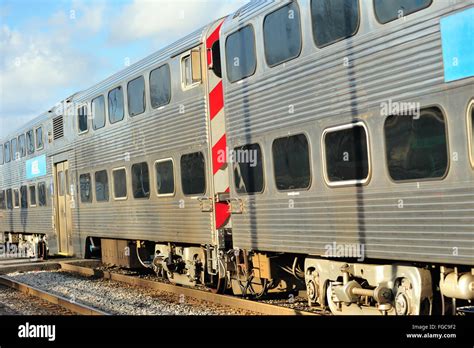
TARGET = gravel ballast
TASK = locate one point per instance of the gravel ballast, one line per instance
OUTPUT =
(119, 298)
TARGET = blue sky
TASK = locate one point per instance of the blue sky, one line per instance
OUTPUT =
(50, 49)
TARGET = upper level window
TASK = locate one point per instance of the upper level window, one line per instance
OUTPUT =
(15, 153)
(193, 174)
(82, 122)
(2, 200)
(9, 199)
(334, 20)
(98, 112)
(470, 117)
(387, 11)
(136, 96)
(7, 152)
(30, 142)
(1, 154)
(42, 194)
(346, 152)
(241, 60)
(32, 195)
(39, 138)
(120, 183)
(248, 169)
(24, 197)
(116, 112)
(85, 186)
(291, 162)
(160, 86)
(164, 177)
(140, 180)
(22, 145)
(101, 186)
(16, 198)
(416, 148)
(282, 34)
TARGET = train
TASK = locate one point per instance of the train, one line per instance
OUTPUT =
(308, 146)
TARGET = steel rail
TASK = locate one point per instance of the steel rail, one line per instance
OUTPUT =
(225, 300)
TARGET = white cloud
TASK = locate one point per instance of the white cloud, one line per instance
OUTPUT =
(167, 20)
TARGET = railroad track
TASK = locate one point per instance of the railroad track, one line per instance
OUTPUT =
(50, 297)
(224, 300)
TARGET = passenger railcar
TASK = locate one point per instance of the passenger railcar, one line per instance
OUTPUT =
(317, 145)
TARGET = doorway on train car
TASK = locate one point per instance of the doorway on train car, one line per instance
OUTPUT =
(63, 208)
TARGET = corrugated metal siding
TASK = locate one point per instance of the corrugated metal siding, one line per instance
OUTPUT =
(437, 220)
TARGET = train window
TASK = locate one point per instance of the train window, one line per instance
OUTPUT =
(16, 198)
(164, 177)
(346, 154)
(116, 112)
(470, 118)
(82, 122)
(24, 197)
(30, 142)
(61, 184)
(387, 11)
(140, 180)
(1, 154)
(39, 138)
(291, 162)
(241, 59)
(160, 86)
(7, 149)
(2, 200)
(42, 194)
(136, 96)
(98, 112)
(120, 183)
(193, 173)
(9, 199)
(101, 186)
(15, 153)
(85, 185)
(282, 34)
(248, 169)
(416, 148)
(22, 145)
(32, 195)
(334, 20)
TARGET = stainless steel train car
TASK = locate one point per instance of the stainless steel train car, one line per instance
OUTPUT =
(314, 145)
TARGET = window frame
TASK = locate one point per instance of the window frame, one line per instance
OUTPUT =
(22, 136)
(174, 177)
(42, 183)
(9, 206)
(356, 30)
(255, 50)
(36, 138)
(91, 200)
(108, 186)
(470, 129)
(128, 97)
(448, 151)
(149, 180)
(86, 105)
(345, 183)
(29, 196)
(113, 184)
(14, 201)
(184, 86)
(264, 183)
(2, 155)
(33, 140)
(310, 156)
(108, 106)
(4, 195)
(170, 84)
(206, 179)
(397, 18)
(26, 200)
(93, 117)
(5, 152)
(300, 33)
(14, 153)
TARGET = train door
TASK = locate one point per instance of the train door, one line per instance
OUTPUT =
(63, 208)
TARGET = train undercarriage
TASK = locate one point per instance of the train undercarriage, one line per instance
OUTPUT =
(342, 286)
